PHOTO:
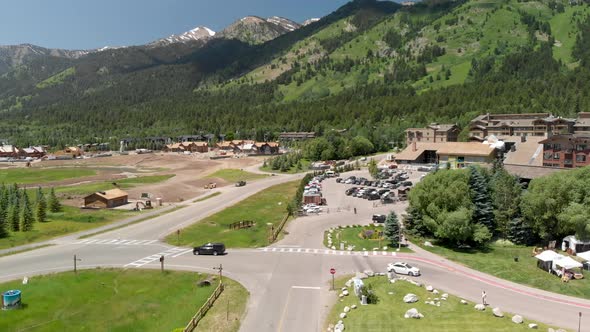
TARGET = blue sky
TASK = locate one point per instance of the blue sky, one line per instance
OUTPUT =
(86, 24)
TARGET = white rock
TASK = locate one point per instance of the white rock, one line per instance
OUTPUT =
(369, 273)
(411, 298)
(339, 327)
(413, 313)
(438, 304)
(392, 281)
(497, 312)
(330, 230)
(349, 283)
(340, 295)
(343, 315)
(346, 309)
(517, 319)
(550, 330)
(353, 306)
(445, 296)
(435, 291)
(345, 293)
(385, 248)
(343, 288)
(533, 326)
(436, 299)
(463, 302)
(429, 288)
(480, 307)
(390, 293)
(428, 244)
(333, 248)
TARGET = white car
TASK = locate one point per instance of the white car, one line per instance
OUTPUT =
(403, 268)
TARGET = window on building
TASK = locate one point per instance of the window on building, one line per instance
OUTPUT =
(556, 156)
(556, 146)
(547, 155)
(581, 147)
(547, 146)
(580, 158)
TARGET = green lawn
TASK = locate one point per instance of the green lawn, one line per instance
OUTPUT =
(351, 236)
(264, 208)
(499, 261)
(70, 220)
(235, 175)
(234, 296)
(111, 300)
(41, 175)
(390, 309)
(86, 189)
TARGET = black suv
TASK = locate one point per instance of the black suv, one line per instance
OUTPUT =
(210, 249)
(379, 218)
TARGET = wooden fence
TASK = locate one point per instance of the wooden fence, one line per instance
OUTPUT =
(203, 309)
(276, 231)
(241, 224)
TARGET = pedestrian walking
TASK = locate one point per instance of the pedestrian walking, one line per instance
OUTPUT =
(484, 298)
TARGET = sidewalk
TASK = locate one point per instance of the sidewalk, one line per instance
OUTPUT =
(495, 281)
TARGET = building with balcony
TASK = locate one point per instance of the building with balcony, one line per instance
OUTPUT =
(526, 124)
(566, 151)
(434, 133)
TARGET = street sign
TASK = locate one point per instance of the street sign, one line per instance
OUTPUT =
(333, 271)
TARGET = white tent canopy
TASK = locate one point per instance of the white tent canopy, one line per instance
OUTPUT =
(567, 262)
(548, 256)
(584, 255)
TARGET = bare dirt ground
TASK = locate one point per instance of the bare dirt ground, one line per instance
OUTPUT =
(189, 171)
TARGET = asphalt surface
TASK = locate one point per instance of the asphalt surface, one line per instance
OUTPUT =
(289, 281)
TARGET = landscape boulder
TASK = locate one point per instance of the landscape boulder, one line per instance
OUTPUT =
(435, 291)
(463, 302)
(339, 327)
(410, 298)
(353, 306)
(343, 315)
(429, 288)
(517, 319)
(497, 312)
(369, 273)
(413, 313)
(533, 326)
(444, 297)
(428, 244)
(480, 307)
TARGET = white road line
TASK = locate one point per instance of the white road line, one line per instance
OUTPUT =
(274, 249)
(152, 241)
(384, 253)
(183, 252)
(305, 287)
(307, 250)
(90, 241)
(265, 249)
(341, 253)
(326, 251)
(282, 249)
(299, 250)
(290, 249)
(141, 242)
(112, 241)
(101, 241)
(83, 241)
(374, 253)
(315, 251)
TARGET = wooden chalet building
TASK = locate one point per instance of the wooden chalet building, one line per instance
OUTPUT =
(106, 199)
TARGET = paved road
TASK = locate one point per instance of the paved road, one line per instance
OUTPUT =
(289, 280)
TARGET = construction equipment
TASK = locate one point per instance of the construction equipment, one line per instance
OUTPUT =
(146, 205)
(211, 185)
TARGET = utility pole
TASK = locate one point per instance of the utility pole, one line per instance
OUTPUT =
(162, 262)
(220, 269)
(75, 264)
(579, 321)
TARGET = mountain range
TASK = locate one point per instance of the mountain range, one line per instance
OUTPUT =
(371, 67)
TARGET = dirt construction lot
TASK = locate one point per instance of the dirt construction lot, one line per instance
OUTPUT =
(188, 170)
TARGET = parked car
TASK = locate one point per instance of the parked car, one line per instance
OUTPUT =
(338, 180)
(407, 183)
(240, 183)
(379, 218)
(210, 249)
(403, 268)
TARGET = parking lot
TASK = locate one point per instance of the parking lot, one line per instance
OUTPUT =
(341, 209)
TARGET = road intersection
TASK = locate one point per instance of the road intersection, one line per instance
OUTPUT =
(288, 281)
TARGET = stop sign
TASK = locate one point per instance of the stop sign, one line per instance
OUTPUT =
(333, 271)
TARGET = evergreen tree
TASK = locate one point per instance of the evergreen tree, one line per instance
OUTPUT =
(13, 216)
(41, 207)
(483, 213)
(392, 229)
(26, 214)
(3, 224)
(54, 205)
(413, 222)
(373, 170)
(521, 233)
(506, 192)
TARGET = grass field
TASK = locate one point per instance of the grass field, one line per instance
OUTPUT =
(41, 175)
(265, 208)
(499, 261)
(390, 309)
(235, 175)
(69, 220)
(350, 236)
(85, 189)
(234, 297)
(113, 300)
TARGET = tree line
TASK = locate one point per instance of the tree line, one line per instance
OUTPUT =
(475, 205)
(19, 214)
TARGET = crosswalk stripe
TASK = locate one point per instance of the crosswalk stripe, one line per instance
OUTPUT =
(152, 241)
(274, 249)
(183, 253)
(90, 241)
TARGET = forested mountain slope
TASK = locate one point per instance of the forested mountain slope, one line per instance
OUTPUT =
(371, 67)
